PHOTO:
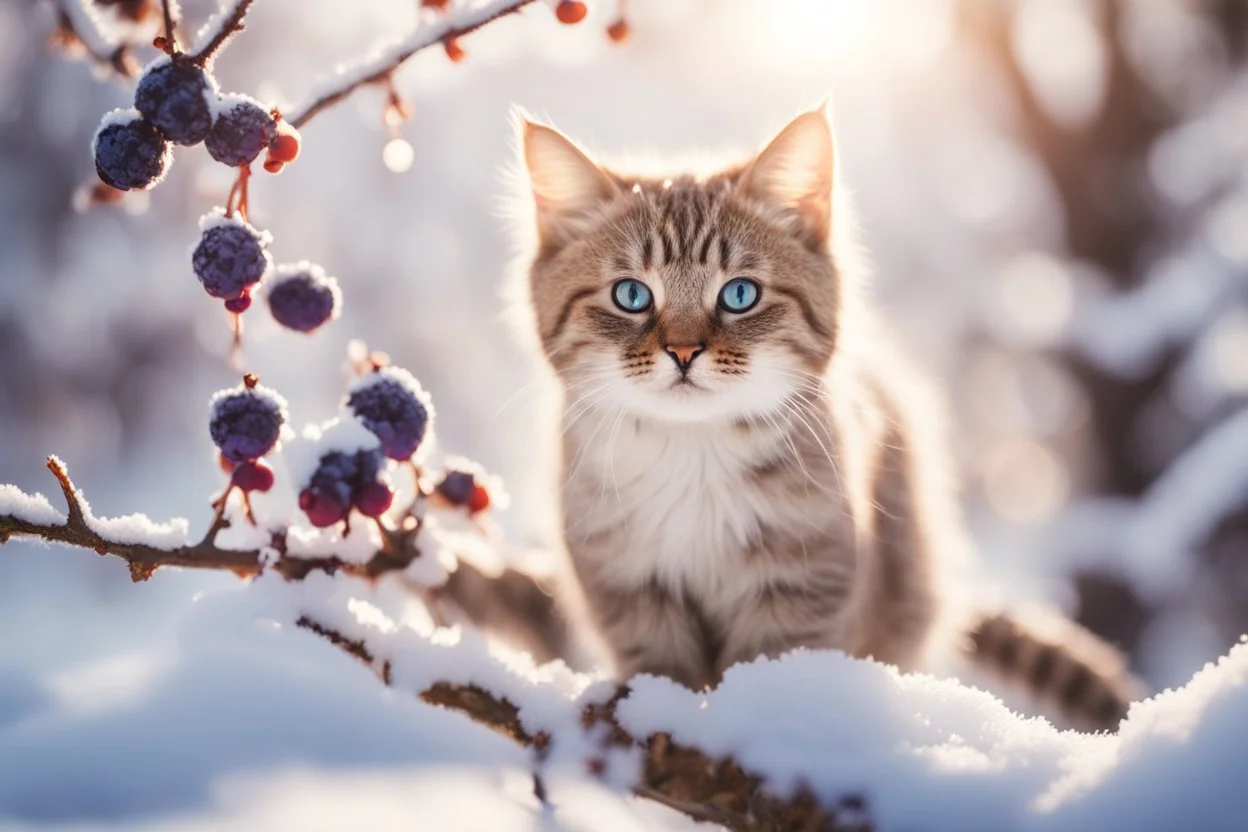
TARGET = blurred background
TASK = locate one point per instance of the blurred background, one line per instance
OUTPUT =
(1053, 192)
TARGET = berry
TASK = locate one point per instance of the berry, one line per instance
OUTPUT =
(177, 98)
(619, 31)
(373, 499)
(284, 149)
(343, 479)
(254, 475)
(230, 256)
(240, 304)
(246, 422)
(130, 153)
(391, 403)
(453, 50)
(570, 11)
(302, 297)
(480, 499)
(457, 487)
(241, 130)
(224, 464)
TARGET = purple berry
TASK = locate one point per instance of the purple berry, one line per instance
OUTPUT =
(327, 497)
(177, 99)
(391, 403)
(230, 257)
(246, 421)
(130, 153)
(302, 298)
(241, 130)
(457, 487)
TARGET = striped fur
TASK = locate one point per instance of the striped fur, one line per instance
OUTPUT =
(1066, 670)
(785, 488)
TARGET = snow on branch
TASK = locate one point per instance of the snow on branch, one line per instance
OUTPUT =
(218, 31)
(79, 25)
(378, 67)
(146, 546)
(683, 778)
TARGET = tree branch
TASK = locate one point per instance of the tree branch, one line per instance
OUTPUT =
(218, 33)
(76, 24)
(454, 24)
(683, 778)
(144, 559)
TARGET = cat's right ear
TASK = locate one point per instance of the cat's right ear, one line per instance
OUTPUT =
(568, 188)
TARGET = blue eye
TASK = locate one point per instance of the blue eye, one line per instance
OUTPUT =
(739, 295)
(631, 295)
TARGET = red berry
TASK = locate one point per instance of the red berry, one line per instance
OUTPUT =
(480, 499)
(255, 475)
(224, 464)
(323, 509)
(570, 11)
(618, 31)
(374, 499)
(285, 148)
(239, 304)
(434, 4)
(453, 50)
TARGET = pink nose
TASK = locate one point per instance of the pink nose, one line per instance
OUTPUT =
(683, 354)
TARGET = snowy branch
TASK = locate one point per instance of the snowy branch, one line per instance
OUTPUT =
(80, 529)
(79, 25)
(377, 68)
(683, 778)
(218, 31)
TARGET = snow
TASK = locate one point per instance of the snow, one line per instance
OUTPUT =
(214, 24)
(220, 105)
(216, 217)
(122, 115)
(89, 25)
(248, 721)
(33, 508)
(431, 28)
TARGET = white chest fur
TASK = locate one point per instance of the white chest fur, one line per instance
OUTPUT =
(668, 502)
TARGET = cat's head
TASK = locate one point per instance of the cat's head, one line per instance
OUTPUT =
(686, 298)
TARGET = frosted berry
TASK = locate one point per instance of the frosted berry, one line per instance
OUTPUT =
(177, 98)
(570, 11)
(253, 475)
(246, 422)
(241, 130)
(335, 484)
(130, 153)
(457, 487)
(391, 403)
(230, 257)
(480, 499)
(302, 298)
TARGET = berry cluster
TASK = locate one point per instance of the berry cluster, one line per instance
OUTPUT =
(177, 101)
(385, 420)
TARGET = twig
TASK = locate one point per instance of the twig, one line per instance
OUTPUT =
(171, 38)
(377, 70)
(75, 22)
(144, 559)
(228, 25)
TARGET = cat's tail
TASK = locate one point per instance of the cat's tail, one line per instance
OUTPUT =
(1057, 663)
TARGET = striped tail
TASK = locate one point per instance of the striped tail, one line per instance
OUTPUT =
(1060, 665)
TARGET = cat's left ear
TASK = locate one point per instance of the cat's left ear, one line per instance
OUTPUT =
(794, 173)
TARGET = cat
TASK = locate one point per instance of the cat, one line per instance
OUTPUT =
(748, 464)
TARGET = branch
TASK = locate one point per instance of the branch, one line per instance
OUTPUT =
(76, 24)
(680, 777)
(218, 32)
(144, 558)
(377, 69)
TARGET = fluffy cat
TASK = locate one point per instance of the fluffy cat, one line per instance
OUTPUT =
(748, 466)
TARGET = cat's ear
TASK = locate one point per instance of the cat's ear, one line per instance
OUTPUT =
(567, 185)
(794, 173)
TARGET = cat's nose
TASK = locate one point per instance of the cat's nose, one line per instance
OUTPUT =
(683, 354)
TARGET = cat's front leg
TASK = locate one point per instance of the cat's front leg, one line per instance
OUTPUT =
(783, 616)
(649, 630)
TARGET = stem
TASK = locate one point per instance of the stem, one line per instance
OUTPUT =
(171, 38)
(231, 24)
